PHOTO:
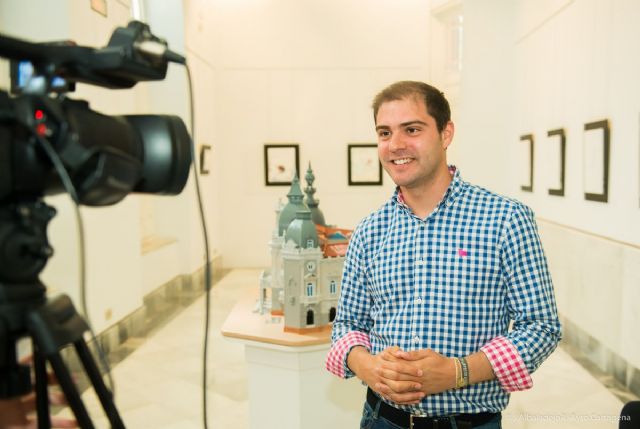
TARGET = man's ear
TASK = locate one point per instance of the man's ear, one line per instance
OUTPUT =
(447, 134)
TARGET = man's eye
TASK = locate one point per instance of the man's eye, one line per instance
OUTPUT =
(384, 133)
(412, 130)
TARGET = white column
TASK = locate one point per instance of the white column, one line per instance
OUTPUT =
(289, 388)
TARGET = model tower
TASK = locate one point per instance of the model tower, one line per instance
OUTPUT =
(316, 214)
(306, 263)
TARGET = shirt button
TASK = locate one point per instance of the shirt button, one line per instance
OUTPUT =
(419, 261)
(416, 339)
(418, 300)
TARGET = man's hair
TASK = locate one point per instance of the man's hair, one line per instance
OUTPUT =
(437, 106)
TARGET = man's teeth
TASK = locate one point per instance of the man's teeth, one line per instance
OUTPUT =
(401, 161)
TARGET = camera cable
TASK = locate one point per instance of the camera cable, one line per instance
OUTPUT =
(71, 190)
(159, 50)
(207, 265)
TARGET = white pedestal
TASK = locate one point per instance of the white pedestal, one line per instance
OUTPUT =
(289, 388)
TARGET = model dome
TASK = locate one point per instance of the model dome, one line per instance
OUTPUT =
(302, 230)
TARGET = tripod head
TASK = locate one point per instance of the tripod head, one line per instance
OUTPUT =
(24, 251)
(52, 324)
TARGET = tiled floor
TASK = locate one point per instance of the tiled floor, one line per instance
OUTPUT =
(159, 385)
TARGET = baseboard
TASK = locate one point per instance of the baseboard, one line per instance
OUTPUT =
(618, 375)
(159, 307)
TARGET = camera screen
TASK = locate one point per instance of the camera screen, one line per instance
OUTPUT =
(25, 80)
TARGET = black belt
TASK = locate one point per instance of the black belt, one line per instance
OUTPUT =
(407, 420)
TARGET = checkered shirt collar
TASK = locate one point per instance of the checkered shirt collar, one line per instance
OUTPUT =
(453, 191)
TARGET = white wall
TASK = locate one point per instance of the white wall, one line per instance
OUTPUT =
(179, 216)
(302, 72)
(117, 279)
(530, 67)
(579, 66)
(483, 124)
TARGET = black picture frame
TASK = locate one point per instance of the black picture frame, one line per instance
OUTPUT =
(281, 161)
(603, 196)
(529, 138)
(204, 159)
(563, 153)
(361, 170)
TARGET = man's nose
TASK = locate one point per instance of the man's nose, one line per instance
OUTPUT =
(396, 143)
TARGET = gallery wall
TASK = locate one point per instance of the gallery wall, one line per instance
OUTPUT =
(574, 68)
(304, 73)
(550, 65)
(596, 260)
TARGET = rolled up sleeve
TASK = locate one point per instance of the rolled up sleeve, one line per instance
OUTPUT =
(353, 322)
(530, 304)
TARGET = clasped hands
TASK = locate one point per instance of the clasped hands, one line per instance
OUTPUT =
(406, 377)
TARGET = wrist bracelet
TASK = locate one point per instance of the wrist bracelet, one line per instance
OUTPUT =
(464, 366)
(459, 376)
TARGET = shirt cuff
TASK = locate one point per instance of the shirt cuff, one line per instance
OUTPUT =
(336, 362)
(507, 364)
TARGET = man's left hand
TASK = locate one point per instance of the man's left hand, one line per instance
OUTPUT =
(437, 372)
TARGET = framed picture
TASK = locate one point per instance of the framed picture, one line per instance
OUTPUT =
(281, 161)
(205, 161)
(526, 162)
(364, 165)
(595, 157)
(556, 160)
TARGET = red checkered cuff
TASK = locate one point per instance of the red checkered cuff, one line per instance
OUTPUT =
(507, 364)
(336, 362)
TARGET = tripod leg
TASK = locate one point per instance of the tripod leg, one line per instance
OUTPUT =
(42, 389)
(58, 324)
(70, 391)
(104, 394)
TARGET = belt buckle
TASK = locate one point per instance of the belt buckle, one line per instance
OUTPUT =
(411, 422)
(436, 421)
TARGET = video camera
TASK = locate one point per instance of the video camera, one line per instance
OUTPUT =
(107, 157)
(50, 143)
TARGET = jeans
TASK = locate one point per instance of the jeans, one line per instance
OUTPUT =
(371, 420)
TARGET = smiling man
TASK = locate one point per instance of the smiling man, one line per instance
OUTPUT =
(432, 281)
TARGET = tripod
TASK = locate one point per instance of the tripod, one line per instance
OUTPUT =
(51, 324)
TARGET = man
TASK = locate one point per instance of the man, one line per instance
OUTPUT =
(432, 281)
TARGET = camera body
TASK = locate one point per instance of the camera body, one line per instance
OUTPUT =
(107, 157)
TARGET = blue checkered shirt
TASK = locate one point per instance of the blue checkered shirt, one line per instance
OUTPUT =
(451, 282)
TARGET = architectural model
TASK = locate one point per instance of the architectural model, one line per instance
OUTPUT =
(303, 282)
